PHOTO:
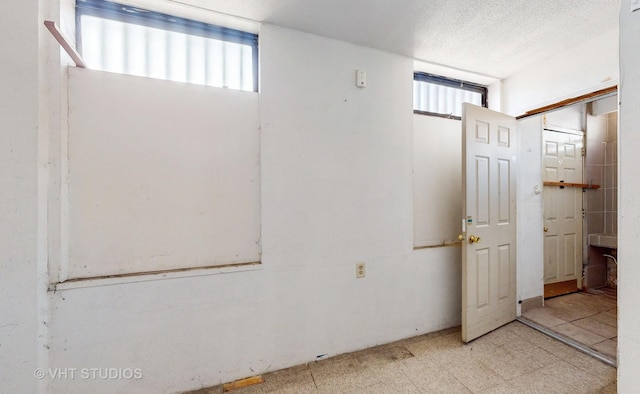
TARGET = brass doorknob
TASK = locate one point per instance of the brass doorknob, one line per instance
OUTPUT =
(460, 237)
(546, 229)
(473, 239)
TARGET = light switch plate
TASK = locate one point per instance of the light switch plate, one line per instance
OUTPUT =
(361, 79)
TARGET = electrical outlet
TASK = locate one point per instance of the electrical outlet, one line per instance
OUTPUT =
(360, 270)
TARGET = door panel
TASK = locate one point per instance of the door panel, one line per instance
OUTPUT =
(562, 211)
(489, 233)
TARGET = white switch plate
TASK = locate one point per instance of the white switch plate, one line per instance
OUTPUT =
(361, 79)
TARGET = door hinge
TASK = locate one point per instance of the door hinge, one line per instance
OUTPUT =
(584, 152)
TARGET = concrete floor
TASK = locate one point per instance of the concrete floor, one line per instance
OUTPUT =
(512, 359)
(590, 319)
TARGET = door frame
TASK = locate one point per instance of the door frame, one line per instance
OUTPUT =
(531, 294)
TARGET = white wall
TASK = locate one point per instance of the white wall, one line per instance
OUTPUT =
(583, 69)
(162, 175)
(437, 180)
(336, 189)
(628, 202)
(19, 195)
(529, 270)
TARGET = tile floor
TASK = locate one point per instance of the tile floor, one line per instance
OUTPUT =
(511, 359)
(590, 319)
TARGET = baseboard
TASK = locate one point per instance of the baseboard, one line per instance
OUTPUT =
(531, 303)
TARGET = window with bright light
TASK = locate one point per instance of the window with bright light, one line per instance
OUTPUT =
(129, 40)
(441, 96)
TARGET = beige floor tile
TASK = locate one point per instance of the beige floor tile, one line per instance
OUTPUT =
(380, 355)
(382, 373)
(292, 380)
(605, 374)
(447, 357)
(446, 349)
(596, 327)
(292, 389)
(577, 306)
(608, 347)
(513, 360)
(554, 347)
(418, 348)
(503, 388)
(475, 375)
(571, 313)
(559, 377)
(399, 385)
(504, 335)
(598, 302)
(332, 367)
(610, 389)
(607, 317)
(544, 316)
(431, 378)
(602, 301)
(360, 382)
(578, 334)
(350, 383)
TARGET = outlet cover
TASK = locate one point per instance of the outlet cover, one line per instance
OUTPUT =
(360, 270)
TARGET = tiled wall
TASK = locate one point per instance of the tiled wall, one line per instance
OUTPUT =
(610, 184)
(601, 204)
(595, 159)
(611, 192)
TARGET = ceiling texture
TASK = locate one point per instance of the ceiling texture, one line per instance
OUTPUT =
(493, 38)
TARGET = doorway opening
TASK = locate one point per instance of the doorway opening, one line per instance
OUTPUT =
(582, 309)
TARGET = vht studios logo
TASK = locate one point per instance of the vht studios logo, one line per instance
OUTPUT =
(88, 373)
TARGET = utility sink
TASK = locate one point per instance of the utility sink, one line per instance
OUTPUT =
(604, 240)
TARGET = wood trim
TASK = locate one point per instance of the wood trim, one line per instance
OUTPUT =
(65, 44)
(569, 184)
(166, 271)
(442, 245)
(570, 101)
(560, 288)
(238, 384)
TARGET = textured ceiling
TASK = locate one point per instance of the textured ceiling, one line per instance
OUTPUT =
(490, 37)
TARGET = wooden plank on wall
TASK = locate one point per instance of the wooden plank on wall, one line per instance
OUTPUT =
(570, 101)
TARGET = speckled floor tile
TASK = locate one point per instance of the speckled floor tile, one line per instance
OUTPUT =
(596, 327)
(511, 359)
(579, 334)
(544, 317)
(559, 377)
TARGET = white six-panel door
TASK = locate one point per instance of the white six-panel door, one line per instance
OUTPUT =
(489, 221)
(562, 161)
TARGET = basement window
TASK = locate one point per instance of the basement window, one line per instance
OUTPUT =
(440, 96)
(129, 40)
